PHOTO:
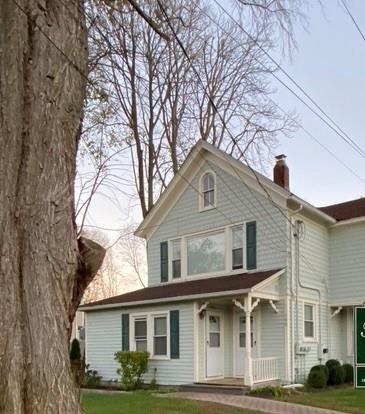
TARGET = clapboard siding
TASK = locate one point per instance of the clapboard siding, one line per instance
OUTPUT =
(347, 263)
(235, 203)
(103, 339)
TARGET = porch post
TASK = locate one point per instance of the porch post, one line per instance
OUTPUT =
(248, 359)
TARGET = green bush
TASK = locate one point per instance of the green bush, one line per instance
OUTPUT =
(349, 373)
(75, 352)
(337, 375)
(332, 363)
(91, 377)
(317, 378)
(271, 392)
(133, 365)
(322, 368)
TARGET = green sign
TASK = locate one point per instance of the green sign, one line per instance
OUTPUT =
(360, 377)
(359, 335)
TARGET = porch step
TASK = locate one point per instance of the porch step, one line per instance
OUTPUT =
(215, 388)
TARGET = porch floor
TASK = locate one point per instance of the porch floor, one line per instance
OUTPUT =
(231, 382)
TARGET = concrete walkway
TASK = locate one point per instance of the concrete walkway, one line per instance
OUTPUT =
(253, 403)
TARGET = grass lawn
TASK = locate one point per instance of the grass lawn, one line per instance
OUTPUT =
(146, 403)
(347, 400)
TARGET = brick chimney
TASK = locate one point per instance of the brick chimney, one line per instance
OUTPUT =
(281, 172)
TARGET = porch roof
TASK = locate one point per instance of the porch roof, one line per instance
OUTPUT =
(185, 290)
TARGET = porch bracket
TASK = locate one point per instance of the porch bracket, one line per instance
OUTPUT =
(238, 304)
(272, 304)
(337, 311)
(253, 306)
(202, 307)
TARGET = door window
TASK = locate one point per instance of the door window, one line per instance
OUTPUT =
(214, 332)
(242, 337)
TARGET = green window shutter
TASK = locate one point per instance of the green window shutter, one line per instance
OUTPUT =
(125, 332)
(251, 245)
(164, 261)
(174, 334)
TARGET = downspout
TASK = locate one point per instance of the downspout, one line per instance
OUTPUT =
(294, 318)
(313, 289)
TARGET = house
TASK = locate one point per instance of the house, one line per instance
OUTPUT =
(245, 280)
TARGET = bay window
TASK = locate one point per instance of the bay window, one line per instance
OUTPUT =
(206, 253)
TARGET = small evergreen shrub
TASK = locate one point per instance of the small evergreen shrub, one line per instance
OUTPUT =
(337, 375)
(322, 368)
(349, 373)
(133, 365)
(91, 377)
(332, 363)
(271, 392)
(75, 352)
(317, 378)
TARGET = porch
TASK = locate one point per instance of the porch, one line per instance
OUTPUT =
(234, 341)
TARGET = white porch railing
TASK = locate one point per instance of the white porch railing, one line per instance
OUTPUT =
(265, 369)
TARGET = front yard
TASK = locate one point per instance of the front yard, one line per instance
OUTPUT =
(347, 400)
(147, 403)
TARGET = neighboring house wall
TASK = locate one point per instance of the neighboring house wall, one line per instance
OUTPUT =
(104, 338)
(347, 263)
(235, 203)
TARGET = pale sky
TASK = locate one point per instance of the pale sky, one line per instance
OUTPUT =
(330, 65)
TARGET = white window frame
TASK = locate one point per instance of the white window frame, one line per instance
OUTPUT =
(170, 247)
(150, 332)
(314, 308)
(227, 230)
(201, 192)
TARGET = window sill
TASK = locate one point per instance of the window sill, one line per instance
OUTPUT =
(159, 358)
(310, 340)
(202, 209)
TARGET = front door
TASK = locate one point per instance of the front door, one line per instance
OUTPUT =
(240, 343)
(214, 344)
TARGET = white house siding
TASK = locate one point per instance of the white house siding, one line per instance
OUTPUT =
(103, 339)
(347, 263)
(235, 203)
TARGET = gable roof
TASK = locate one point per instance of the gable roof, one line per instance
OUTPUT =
(252, 178)
(198, 288)
(347, 210)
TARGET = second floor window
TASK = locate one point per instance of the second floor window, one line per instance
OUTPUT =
(208, 190)
(176, 258)
(237, 247)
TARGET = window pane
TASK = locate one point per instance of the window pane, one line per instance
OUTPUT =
(214, 340)
(141, 345)
(206, 254)
(208, 198)
(176, 249)
(140, 328)
(237, 259)
(237, 237)
(242, 340)
(208, 182)
(214, 325)
(160, 345)
(160, 326)
(309, 329)
(176, 269)
(308, 312)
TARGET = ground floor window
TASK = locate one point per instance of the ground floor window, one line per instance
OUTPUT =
(140, 334)
(309, 328)
(160, 336)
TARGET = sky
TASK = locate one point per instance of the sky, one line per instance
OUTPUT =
(329, 64)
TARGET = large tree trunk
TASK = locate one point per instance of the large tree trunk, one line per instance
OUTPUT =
(43, 269)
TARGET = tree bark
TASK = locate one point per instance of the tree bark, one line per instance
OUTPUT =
(43, 268)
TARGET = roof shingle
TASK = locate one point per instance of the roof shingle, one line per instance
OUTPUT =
(347, 210)
(192, 287)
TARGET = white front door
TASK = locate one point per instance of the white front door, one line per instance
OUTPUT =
(239, 332)
(214, 344)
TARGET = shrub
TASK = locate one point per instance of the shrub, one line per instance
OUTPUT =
(271, 392)
(75, 352)
(349, 373)
(91, 378)
(317, 378)
(337, 375)
(133, 365)
(332, 363)
(322, 368)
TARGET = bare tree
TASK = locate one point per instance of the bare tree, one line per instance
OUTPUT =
(44, 269)
(153, 102)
